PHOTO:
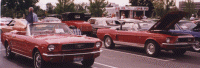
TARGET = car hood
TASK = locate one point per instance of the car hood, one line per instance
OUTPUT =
(66, 39)
(168, 21)
(195, 34)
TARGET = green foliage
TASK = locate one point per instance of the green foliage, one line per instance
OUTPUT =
(15, 8)
(49, 8)
(159, 8)
(97, 7)
(64, 6)
(190, 8)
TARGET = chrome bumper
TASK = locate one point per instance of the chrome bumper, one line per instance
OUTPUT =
(178, 44)
(51, 55)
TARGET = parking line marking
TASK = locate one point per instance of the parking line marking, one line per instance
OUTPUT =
(99, 64)
(105, 65)
(140, 55)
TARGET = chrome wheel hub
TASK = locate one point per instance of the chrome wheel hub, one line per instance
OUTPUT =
(197, 46)
(8, 51)
(108, 42)
(38, 61)
(150, 48)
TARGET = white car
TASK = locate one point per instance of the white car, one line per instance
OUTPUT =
(51, 20)
(4, 21)
(102, 22)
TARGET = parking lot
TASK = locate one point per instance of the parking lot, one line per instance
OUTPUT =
(120, 57)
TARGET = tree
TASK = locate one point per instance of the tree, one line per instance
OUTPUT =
(64, 6)
(97, 7)
(18, 5)
(159, 8)
(49, 8)
(190, 8)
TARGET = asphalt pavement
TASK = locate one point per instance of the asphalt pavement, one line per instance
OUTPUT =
(120, 57)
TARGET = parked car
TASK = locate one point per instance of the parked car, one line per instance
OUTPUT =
(51, 20)
(51, 42)
(77, 20)
(14, 25)
(153, 37)
(188, 27)
(4, 21)
(101, 22)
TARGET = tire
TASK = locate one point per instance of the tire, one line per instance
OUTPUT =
(179, 51)
(108, 43)
(152, 49)
(196, 47)
(88, 62)
(9, 54)
(38, 61)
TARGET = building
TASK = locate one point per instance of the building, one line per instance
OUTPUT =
(182, 5)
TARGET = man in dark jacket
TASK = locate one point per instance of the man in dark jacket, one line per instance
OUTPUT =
(31, 17)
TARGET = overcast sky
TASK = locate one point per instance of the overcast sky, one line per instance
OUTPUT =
(42, 3)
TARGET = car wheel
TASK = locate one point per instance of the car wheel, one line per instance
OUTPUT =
(88, 62)
(38, 61)
(9, 54)
(108, 42)
(196, 47)
(152, 49)
(179, 51)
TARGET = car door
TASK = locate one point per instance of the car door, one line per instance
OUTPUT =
(21, 44)
(127, 35)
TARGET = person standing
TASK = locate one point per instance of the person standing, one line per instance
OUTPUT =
(31, 17)
(192, 17)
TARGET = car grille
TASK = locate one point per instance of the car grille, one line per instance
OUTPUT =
(185, 40)
(77, 46)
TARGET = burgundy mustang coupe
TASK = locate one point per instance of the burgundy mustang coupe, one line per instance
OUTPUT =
(51, 42)
(151, 36)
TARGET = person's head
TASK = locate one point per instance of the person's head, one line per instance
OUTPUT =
(30, 9)
(192, 15)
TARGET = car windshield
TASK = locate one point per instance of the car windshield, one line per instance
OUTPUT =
(41, 29)
(186, 25)
(105, 22)
(145, 25)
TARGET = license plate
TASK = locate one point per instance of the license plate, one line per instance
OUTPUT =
(78, 58)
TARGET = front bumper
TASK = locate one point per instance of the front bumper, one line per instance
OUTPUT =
(177, 45)
(56, 58)
(51, 55)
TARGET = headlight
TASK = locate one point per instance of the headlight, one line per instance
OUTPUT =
(51, 47)
(98, 44)
(167, 40)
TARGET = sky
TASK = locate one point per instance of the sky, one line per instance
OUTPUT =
(42, 3)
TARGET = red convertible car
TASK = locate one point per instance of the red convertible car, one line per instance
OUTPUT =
(51, 42)
(151, 36)
(77, 20)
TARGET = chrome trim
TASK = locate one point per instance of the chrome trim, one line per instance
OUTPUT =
(22, 55)
(129, 44)
(178, 43)
(50, 55)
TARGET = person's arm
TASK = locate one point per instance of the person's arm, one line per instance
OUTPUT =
(35, 18)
